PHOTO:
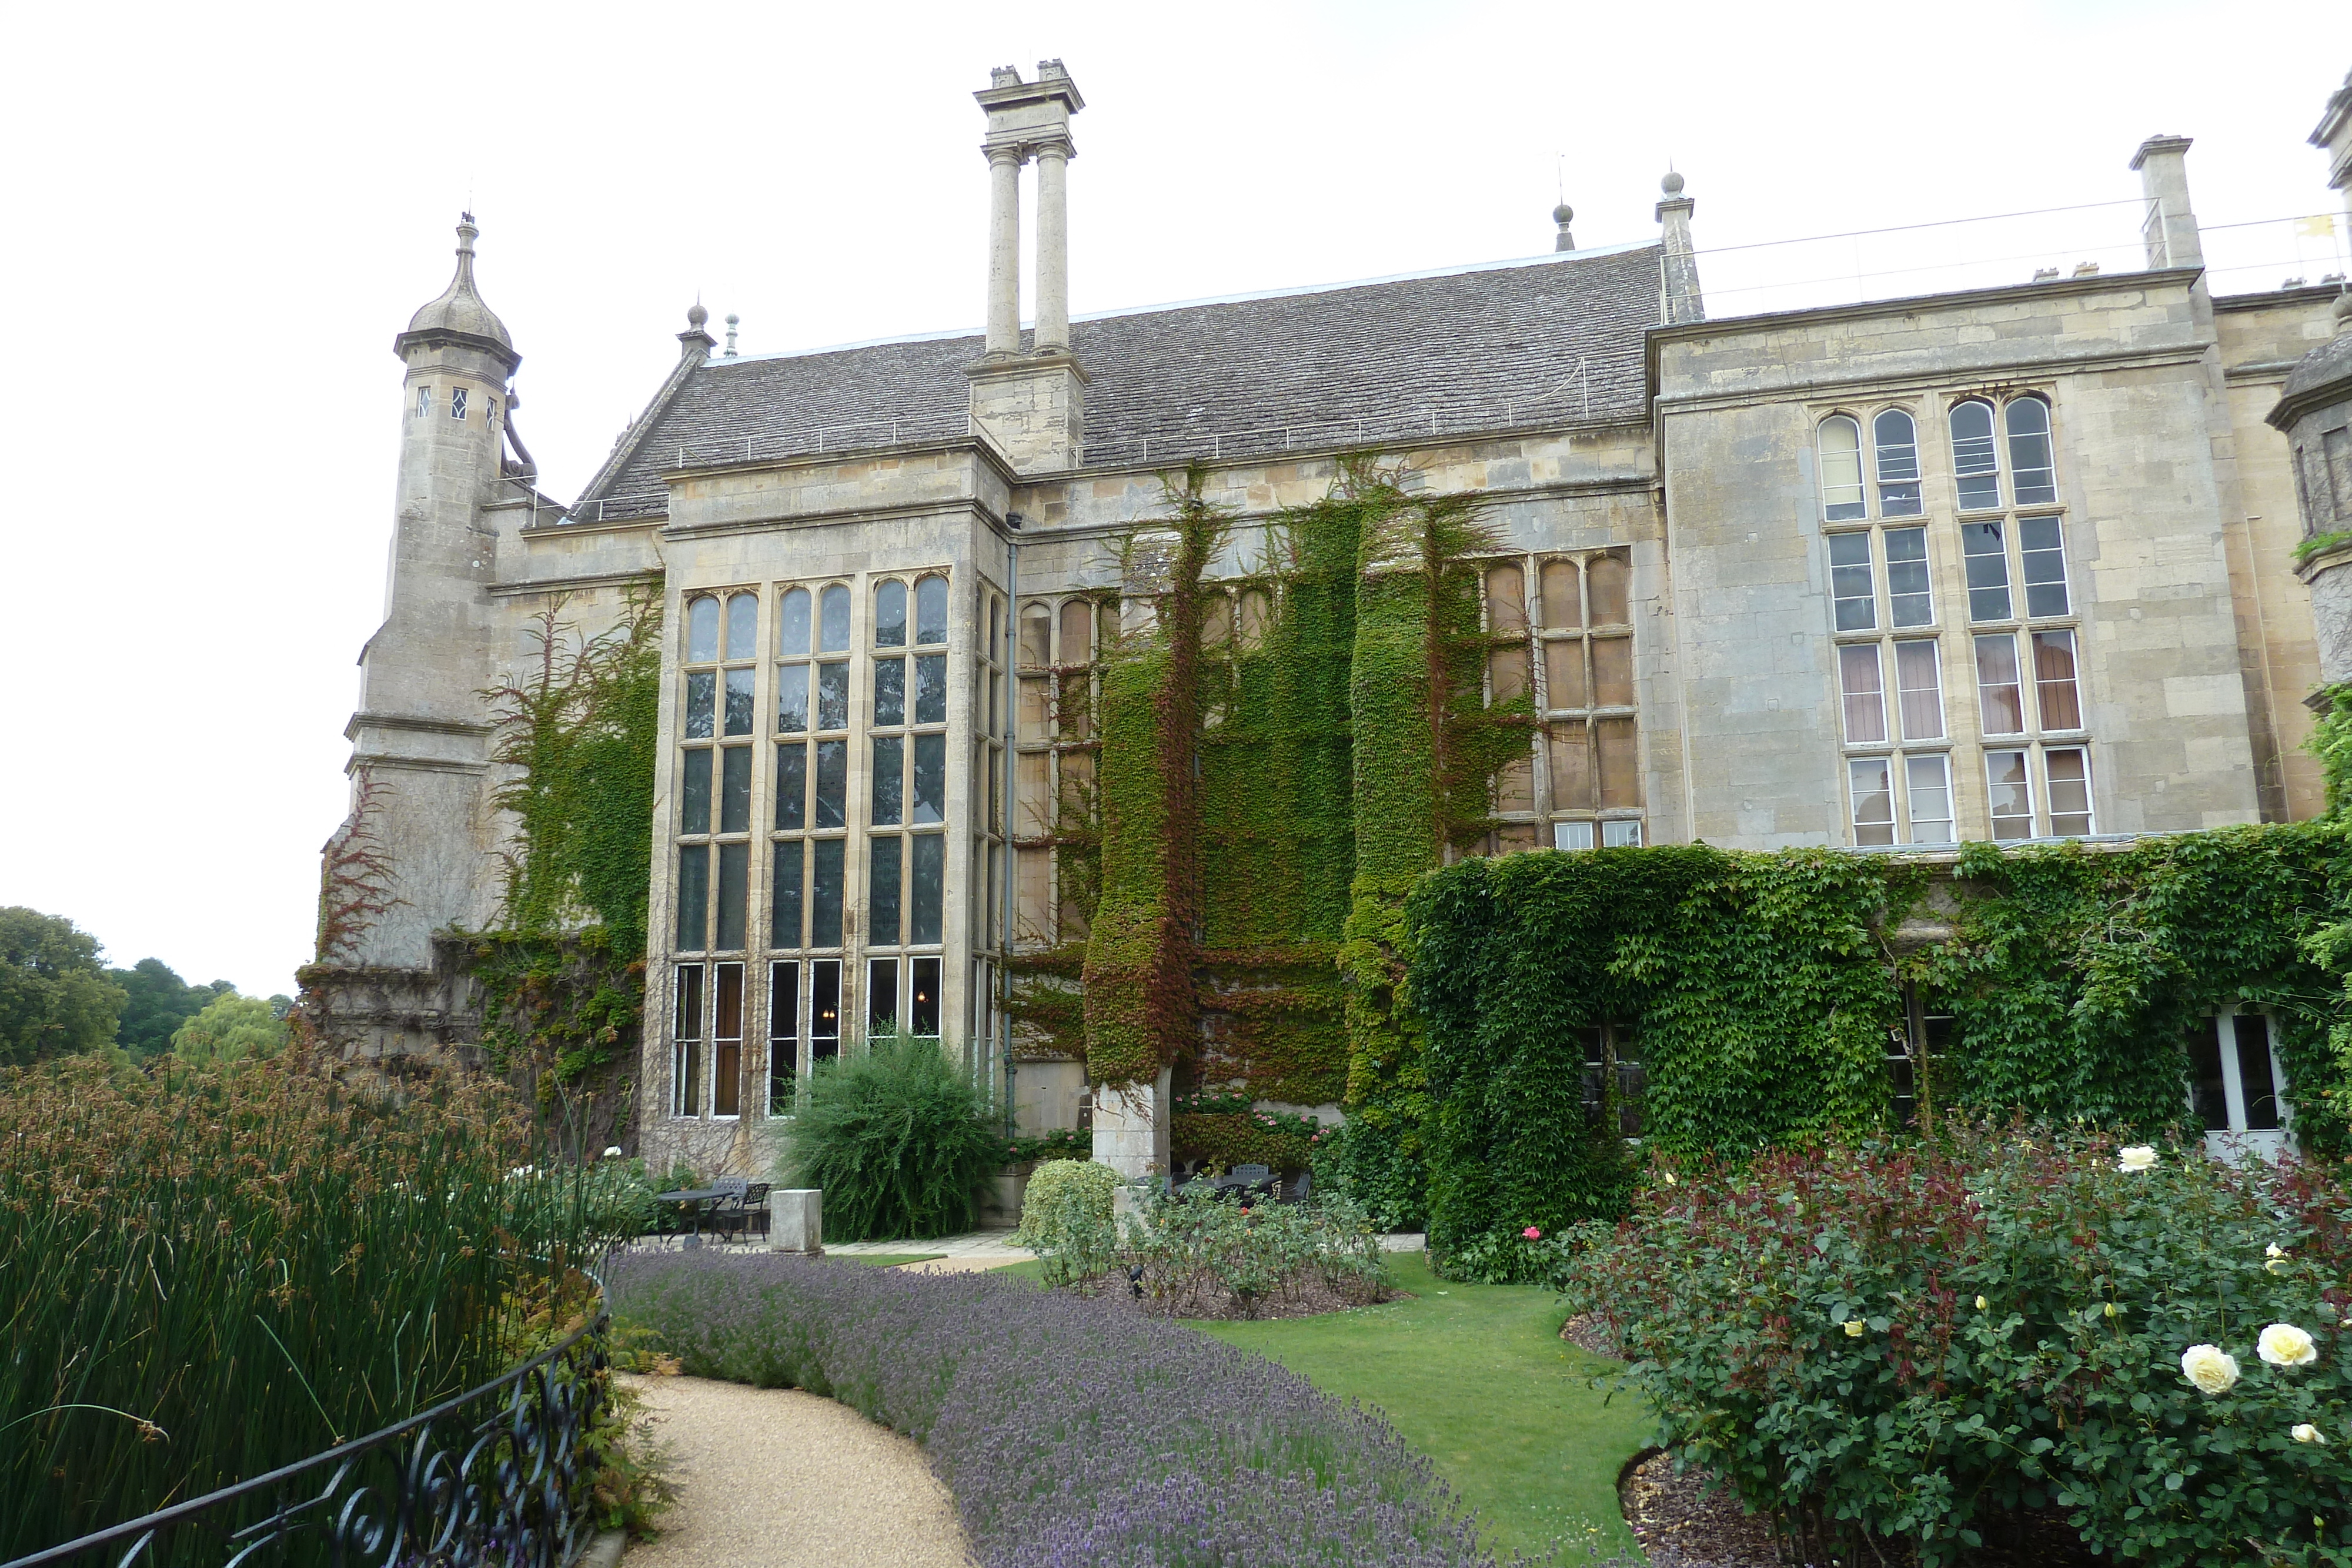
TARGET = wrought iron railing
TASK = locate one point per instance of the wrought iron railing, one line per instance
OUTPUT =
(491, 1478)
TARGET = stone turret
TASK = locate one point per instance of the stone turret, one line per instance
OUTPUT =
(420, 736)
(2315, 412)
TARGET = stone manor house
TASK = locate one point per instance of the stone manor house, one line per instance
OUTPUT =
(2011, 563)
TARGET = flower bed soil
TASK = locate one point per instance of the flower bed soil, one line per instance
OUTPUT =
(1586, 1332)
(1686, 1521)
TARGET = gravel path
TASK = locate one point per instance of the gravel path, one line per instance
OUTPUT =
(773, 1478)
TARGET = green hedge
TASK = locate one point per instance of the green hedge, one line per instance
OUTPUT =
(1763, 988)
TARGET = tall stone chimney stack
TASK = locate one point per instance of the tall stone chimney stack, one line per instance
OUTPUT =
(1032, 405)
(2170, 229)
(1678, 293)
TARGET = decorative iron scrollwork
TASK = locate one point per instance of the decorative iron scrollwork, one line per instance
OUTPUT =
(491, 1478)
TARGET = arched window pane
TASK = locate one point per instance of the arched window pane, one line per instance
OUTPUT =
(1037, 635)
(793, 623)
(2032, 473)
(833, 620)
(1258, 614)
(1506, 599)
(1841, 445)
(1077, 627)
(702, 632)
(931, 610)
(1216, 622)
(1897, 441)
(1562, 608)
(889, 615)
(742, 626)
(1974, 463)
(1605, 577)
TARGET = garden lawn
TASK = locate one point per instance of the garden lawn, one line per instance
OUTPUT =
(1478, 1378)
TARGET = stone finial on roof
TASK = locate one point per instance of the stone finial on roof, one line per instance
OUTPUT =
(1004, 76)
(732, 321)
(1563, 214)
(1679, 299)
(694, 342)
(459, 311)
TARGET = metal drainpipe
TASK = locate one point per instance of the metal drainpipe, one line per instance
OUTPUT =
(1011, 736)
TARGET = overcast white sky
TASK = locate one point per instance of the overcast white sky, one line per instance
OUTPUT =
(218, 217)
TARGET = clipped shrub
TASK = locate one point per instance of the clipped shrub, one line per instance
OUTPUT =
(1207, 1256)
(1066, 1219)
(1915, 1342)
(897, 1138)
(1068, 1434)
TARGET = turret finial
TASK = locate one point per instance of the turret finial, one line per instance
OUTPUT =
(733, 319)
(459, 311)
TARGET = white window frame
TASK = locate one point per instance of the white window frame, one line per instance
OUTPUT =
(1857, 509)
(2239, 1140)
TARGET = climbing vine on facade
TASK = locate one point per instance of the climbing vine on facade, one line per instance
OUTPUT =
(1770, 1000)
(1140, 1010)
(563, 978)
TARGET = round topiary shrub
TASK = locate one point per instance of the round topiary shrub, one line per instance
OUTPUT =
(1066, 1219)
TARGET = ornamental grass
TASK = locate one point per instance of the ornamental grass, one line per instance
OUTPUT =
(1071, 1431)
(207, 1275)
(1921, 1342)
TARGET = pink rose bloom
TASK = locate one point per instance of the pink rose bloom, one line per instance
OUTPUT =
(1530, 1234)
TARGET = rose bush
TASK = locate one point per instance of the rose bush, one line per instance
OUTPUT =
(1915, 1342)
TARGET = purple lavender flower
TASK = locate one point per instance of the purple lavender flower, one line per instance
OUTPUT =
(1072, 1433)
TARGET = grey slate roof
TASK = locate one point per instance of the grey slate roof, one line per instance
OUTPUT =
(1553, 340)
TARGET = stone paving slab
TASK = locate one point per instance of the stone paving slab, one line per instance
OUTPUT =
(994, 1245)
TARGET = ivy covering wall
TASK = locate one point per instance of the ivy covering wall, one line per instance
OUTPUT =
(1267, 795)
(1763, 991)
(563, 976)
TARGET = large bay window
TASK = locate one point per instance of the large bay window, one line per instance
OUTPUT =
(1909, 761)
(846, 701)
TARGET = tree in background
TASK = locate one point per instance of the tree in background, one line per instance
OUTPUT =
(56, 998)
(160, 1003)
(231, 1028)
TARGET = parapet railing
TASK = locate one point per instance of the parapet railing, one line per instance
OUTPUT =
(488, 1479)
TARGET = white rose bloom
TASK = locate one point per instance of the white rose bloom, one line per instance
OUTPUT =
(611, 1151)
(2306, 1433)
(2212, 1369)
(2283, 1344)
(2137, 1157)
(2274, 1250)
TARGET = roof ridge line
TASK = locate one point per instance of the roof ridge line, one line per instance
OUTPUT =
(1548, 259)
(633, 437)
